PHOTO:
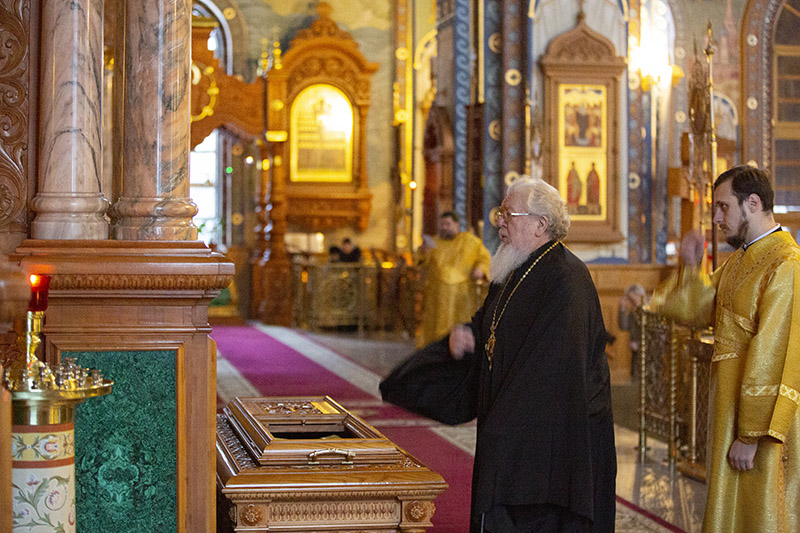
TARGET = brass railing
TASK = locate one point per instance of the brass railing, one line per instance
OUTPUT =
(374, 296)
(673, 389)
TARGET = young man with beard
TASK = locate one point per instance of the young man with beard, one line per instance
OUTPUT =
(545, 458)
(753, 301)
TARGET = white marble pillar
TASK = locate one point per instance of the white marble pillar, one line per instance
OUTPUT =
(152, 69)
(69, 203)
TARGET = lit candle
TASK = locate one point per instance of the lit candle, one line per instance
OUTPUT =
(39, 286)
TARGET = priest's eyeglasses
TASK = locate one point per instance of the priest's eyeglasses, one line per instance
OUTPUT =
(501, 213)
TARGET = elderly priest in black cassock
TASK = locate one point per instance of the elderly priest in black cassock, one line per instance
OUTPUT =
(532, 367)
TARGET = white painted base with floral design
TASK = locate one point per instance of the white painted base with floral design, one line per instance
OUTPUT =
(43, 478)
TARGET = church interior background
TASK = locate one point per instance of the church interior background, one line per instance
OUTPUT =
(171, 165)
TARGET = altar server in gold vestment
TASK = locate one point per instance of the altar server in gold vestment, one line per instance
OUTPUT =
(753, 301)
(453, 261)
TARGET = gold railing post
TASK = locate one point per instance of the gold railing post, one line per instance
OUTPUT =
(673, 389)
(642, 387)
(693, 398)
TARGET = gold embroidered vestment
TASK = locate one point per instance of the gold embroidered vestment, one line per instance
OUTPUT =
(755, 379)
(450, 293)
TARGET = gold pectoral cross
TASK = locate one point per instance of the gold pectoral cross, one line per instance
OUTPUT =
(489, 347)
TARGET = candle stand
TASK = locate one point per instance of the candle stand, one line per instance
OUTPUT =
(44, 398)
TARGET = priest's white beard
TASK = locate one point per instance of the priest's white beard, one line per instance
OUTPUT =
(504, 261)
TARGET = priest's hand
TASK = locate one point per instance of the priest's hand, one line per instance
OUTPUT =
(741, 455)
(693, 248)
(461, 341)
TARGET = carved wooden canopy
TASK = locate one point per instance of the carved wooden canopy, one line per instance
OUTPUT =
(320, 56)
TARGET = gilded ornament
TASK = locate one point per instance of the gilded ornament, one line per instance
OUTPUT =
(752, 40)
(511, 177)
(229, 13)
(237, 219)
(416, 511)
(237, 149)
(277, 136)
(250, 515)
(513, 77)
(402, 53)
(495, 129)
(752, 104)
(495, 41)
(634, 180)
(212, 91)
(277, 160)
(277, 105)
(680, 117)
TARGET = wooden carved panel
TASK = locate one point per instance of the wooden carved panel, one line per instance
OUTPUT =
(15, 71)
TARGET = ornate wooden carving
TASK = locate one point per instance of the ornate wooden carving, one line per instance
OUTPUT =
(219, 99)
(364, 483)
(15, 118)
(325, 54)
(582, 56)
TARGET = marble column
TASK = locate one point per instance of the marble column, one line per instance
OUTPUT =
(69, 203)
(152, 115)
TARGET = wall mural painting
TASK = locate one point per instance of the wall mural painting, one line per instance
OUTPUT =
(582, 137)
(322, 135)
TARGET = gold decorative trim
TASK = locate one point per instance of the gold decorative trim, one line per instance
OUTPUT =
(331, 512)
(759, 433)
(198, 71)
(761, 390)
(790, 393)
(67, 282)
(724, 356)
(276, 136)
(262, 495)
(780, 436)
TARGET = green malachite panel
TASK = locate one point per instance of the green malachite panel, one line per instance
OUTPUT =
(125, 445)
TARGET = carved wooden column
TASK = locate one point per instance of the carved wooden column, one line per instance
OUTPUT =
(70, 204)
(152, 65)
(17, 137)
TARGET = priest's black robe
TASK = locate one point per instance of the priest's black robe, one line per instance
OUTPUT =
(545, 430)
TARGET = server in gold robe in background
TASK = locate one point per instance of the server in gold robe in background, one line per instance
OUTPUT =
(452, 262)
(753, 301)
